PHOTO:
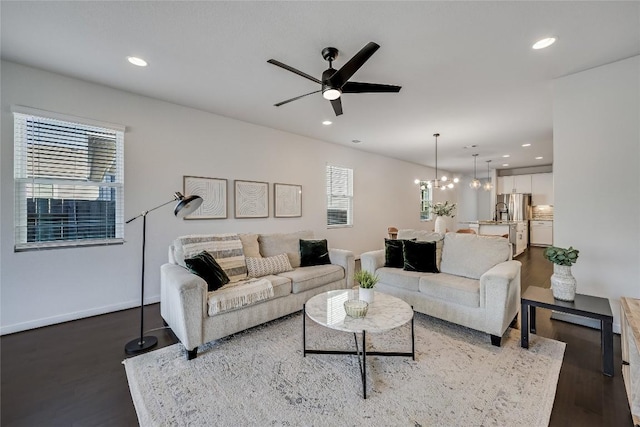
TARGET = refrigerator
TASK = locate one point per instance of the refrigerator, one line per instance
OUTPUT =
(513, 207)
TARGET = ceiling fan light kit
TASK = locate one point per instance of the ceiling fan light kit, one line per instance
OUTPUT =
(336, 82)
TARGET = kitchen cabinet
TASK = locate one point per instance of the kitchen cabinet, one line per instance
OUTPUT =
(541, 233)
(542, 189)
(514, 184)
(522, 238)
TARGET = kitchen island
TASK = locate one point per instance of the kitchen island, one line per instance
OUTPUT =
(518, 232)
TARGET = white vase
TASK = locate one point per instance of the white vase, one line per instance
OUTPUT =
(366, 294)
(440, 225)
(563, 283)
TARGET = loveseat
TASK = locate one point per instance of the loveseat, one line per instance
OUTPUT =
(477, 286)
(197, 315)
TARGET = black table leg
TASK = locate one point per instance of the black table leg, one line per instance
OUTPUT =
(607, 347)
(413, 338)
(524, 329)
(304, 331)
(532, 319)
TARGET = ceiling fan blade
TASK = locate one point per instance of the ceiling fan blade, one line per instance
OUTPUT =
(297, 97)
(357, 87)
(337, 106)
(343, 74)
(293, 70)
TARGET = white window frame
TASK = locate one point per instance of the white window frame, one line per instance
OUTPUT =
(426, 197)
(24, 184)
(338, 194)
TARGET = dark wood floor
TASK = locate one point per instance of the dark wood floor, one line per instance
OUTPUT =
(70, 374)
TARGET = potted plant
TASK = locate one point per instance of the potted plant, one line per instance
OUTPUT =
(440, 210)
(563, 284)
(366, 281)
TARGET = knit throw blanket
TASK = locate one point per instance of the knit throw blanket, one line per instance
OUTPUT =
(239, 294)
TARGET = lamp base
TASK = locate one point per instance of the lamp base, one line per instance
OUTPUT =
(137, 346)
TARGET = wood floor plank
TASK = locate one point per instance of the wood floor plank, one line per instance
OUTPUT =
(71, 374)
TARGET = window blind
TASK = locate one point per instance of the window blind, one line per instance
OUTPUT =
(69, 183)
(339, 196)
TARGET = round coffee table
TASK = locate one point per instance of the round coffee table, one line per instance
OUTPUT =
(385, 313)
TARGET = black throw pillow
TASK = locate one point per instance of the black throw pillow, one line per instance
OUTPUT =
(393, 256)
(205, 266)
(420, 256)
(314, 252)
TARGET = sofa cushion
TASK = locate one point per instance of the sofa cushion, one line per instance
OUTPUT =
(305, 278)
(399, 278)
(250, 245)
(225, 248)
(419, 256)
(205, 266)
(265, 266)
(281, 285)
(471, 255)
(424, 236)
(393, 256)
(278, 243)
(455, 289)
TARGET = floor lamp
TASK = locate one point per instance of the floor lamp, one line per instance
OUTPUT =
(185, 206)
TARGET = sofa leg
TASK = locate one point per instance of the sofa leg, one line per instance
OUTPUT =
(192, 354)
(496, 340)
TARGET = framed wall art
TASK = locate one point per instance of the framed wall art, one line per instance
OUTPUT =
(251, 199)
(288, 200)
(214, 196)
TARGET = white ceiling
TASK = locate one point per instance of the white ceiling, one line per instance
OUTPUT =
(466, 69)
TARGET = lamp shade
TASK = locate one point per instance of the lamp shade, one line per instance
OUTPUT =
(187, 205)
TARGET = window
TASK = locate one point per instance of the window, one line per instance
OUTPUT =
(425, 200)
(339, 196)
(69, 181)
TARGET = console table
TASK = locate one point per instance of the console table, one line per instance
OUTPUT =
(583, 305)
(630, 313)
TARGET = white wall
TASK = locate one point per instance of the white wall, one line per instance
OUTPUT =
(163, 142)
(596, 151)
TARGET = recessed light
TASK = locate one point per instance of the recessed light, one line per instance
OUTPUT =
(506, 155)
(526, 145)
(546, 42)
(505, 164)
(327, 122)
(539, 158)
(356, 141)
(137, 61)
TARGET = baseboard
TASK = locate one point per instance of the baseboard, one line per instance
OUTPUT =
(66, 317)
(582, 321)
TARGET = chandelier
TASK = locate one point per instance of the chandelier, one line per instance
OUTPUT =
(475, 184)
(487, 185)
(442, 182)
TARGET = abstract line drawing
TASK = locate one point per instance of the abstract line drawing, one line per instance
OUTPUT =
(252, 199)
(288, 200)
(214, 194)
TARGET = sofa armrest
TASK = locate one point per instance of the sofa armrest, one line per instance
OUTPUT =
(183, 303)
(346, 260)
(371, 261)
(500, 295)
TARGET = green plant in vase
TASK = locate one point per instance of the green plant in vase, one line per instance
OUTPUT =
(366, 282)
(563, 284)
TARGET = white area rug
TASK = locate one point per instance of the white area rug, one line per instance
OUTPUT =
(259, 378)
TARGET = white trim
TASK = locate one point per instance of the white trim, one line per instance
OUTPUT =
(66, 317)
(67, 118)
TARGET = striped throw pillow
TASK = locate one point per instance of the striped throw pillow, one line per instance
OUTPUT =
(226, 249)
(264, 266)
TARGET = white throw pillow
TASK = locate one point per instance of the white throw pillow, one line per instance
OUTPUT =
(260, 267)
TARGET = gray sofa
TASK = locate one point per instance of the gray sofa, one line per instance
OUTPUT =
(185, 302)
(478, 285)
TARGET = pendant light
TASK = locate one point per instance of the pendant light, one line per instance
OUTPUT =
(475, 184)
(487, 185)
(442, 182)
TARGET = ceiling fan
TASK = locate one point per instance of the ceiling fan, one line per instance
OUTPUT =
(336, 82)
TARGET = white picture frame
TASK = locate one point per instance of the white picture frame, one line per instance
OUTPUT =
(251, 199)
(214, 196)
(287, 200)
